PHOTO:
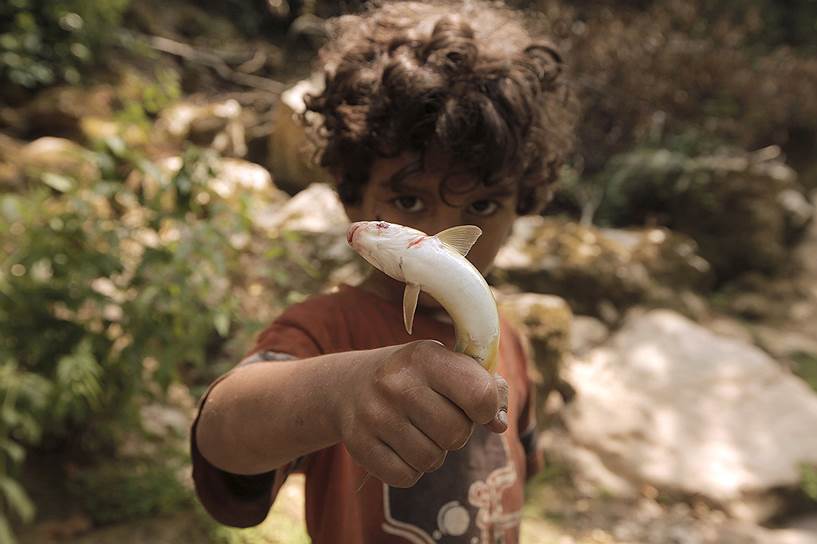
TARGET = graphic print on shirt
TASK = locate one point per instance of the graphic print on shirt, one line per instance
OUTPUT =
(460, 502)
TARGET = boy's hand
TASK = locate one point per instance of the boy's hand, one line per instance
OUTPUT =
(404, 408)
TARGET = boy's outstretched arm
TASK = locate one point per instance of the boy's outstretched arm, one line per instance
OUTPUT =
(397, 409)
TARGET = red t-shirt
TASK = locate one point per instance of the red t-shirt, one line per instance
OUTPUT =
(476, 496)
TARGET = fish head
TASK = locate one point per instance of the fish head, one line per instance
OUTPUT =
(383, 244)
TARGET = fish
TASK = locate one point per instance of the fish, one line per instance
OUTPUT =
(438, 266)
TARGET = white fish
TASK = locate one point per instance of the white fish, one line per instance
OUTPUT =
(436, 265)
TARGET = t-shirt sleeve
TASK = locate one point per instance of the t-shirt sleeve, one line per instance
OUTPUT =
(244, 500)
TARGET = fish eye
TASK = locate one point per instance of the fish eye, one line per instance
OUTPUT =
(484, 207)
(409, 203)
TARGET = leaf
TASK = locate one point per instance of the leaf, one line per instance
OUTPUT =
(6, 536)
(58, 182)
(221, 321)
(14, 450)
(17, 498)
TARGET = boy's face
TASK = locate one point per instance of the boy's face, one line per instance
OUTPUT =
(434, 198)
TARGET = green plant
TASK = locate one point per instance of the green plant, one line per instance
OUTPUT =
(108, 294)
(132, 489)
(47, 41)
(808, 481)
(806, 367)
(23, 397)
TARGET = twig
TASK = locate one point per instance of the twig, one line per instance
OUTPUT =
(208, 58)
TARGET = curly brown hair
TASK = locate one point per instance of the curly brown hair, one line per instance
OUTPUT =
(463, 78)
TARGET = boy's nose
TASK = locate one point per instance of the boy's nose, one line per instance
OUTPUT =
(446, 219)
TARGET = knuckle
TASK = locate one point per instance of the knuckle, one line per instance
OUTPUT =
(421, 350)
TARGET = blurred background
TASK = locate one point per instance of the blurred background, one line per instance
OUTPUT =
(158, 207)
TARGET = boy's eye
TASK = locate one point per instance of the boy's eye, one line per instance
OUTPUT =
(409, 204)
(483, 207)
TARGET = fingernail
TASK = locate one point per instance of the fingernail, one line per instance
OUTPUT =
(502, 416)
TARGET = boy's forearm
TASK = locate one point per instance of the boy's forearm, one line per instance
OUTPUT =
(264, 415)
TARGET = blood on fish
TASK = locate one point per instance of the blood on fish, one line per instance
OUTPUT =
(416, 241)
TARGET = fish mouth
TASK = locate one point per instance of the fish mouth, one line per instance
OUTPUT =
(350, 234)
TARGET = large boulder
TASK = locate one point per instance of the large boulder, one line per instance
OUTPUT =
(668, 404)
(744, 210)
(291, 153)
(59, 111)
(217, 125)
(58, 162)
(545, 322)
(602, 271)
(11, 174)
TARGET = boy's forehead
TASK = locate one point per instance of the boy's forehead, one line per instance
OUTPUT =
(412, 172)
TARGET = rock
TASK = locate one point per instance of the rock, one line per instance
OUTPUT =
(290, 150)
(217, 125)
(59, 156)
(602, 271)
(670, 404)
(545, 322)
(93, 129)
(744, 210)
(586, 333)
(315, 209)
(11, 174)
(58, 111)
(236, 177)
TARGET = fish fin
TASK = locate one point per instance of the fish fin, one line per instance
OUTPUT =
(461, 237)
(410, 304)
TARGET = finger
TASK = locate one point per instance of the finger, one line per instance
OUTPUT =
(415, 448)
(383, 462)
(500, 422)
(439, 419)
(462, 380)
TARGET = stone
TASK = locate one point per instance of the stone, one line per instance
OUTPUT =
(291, 152)
(667, 403)
(58, 111)
(11, 174)
(744, 210)
(315, 209)
(49, 155)
(216, 125)
(586, 333)
(601, 272)
(545, 322)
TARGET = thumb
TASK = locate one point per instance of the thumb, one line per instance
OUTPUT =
(500, 422)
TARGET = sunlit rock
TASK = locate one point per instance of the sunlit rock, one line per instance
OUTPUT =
(545, 321)
(601, 271)
(59, 111)
(667, 403)
(290, 150)
(11, 174)
(744, 210)
(58, 156)
(217, 125)
(315, 209)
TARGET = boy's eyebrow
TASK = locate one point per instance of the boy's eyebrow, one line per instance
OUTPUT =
(397, 181)
(499, 193)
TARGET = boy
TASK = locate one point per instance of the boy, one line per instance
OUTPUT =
(432, 116)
